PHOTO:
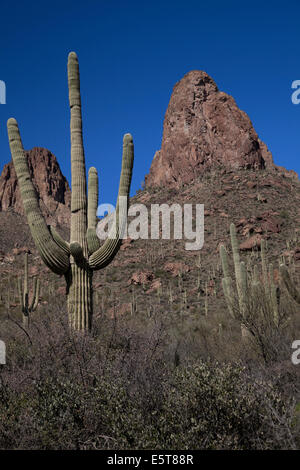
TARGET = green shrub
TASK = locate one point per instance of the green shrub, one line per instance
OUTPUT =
(119, 389)
(217, 406)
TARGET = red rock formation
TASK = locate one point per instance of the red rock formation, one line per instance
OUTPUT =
(251, 242)
(51, 186)
(176, 268)
(203, 127)
(141, 277)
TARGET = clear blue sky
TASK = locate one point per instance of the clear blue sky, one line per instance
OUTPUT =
(131, 53)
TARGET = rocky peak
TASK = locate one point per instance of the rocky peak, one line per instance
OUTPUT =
(51, 186)
(203, 127)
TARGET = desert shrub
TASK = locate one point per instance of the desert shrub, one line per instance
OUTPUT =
(119, 388)
(219, 406)
(206, 406)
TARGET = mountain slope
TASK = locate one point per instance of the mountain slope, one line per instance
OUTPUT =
(51, 186)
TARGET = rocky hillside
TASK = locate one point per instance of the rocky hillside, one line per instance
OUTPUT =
(51, 185)
(159, 275)
(204, 129)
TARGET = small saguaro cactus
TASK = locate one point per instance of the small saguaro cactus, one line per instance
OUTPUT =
(28, 307)
(78, 259)
(248, 285)
(291, 288)
(240, 275)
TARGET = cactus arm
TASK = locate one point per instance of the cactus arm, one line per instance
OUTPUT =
(244, 282)
(291, 288)
(255, 284)
(109, 249)
(65, 246)
(263, 259)
(78, 197)
(224, 260)
(255, 275)
(25, 293)
(36, 294)
(273, 296)
(92, 239)
(20, 290)
(227, 281)
(235, 253)
(264, 266)
(33, 294)
(244, 287)
(240, 275)
(228, 293)
(92, 197)
(51, 254)
(237, 264)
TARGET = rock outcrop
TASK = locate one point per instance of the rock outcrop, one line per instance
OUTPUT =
(204, 128)
(51, 186)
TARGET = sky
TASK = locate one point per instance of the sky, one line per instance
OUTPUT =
(131, 54)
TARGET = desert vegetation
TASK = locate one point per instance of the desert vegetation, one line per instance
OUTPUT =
(169, 363)
(159, 376)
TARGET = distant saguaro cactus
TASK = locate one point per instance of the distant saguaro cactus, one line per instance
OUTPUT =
(28, 307)
(291, 288)
(78, 259)
(248, 285)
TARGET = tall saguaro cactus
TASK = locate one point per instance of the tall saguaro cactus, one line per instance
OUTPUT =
(78, 259)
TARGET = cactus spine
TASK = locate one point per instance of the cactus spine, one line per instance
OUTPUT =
(78, 259)
(28, 307)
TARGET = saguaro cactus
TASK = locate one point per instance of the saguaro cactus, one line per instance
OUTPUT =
(28, 307)
(291, 288)
(78, 259)
(246, 285)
